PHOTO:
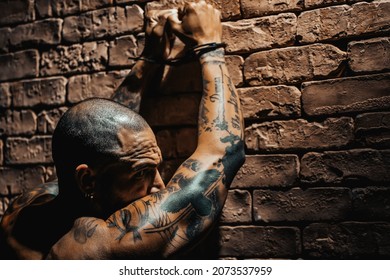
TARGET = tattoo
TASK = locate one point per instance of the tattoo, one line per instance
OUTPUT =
(195, 199)
(192, 164)
(220, 53)
(220, 122)
(192, 198)
(218, 84)
(229, 161)
(84, 229)
(195, 226)
(233, 96)
(123, 224)
(203, 119)
(124, 96)
(192, 193)
(236, 123)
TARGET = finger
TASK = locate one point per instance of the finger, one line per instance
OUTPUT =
(176, 24)
(177, 29)
(163, 15)
(156, 20)
(155, 16)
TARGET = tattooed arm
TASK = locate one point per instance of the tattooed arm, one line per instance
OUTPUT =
(146, 71)
(165, 223)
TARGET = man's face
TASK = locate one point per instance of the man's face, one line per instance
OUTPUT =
(134, 176)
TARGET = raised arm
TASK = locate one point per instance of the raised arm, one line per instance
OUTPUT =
(164, 223)
(147, 71)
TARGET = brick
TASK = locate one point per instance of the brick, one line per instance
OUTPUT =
(43, 8)
(1, 153)
(299, 134)
(45, 32)
(270, 102)
(166, 142)
(357, 166)
(5, 96)
(186, 141)
(372, 121)
(333, 23)
(235, 65)
(374, 128)
(230, 9)
(14, 11)
(316, 204)
(238, 207)
(371, 203)
(90, 56)
(28, 151)
(47, 120)
(163, 111)
(355, 94)
(102, 23)
(319, 3)
(122, 49)
(168, 167)
(17, 65)
(47, 91)
(260, 242)
(264, 33)
(100, 84)
(255, 8)
(267, 171)
(18, 123)
(5, 34)
(13, 181)
(369, 55)
(47, 8)
(177, 142)
(132, 1)
(292, 65)
(185, 78)
(347, 240)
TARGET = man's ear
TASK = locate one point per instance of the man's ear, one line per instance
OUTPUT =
(84, 177)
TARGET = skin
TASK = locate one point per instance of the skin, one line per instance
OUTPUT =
(161, 222)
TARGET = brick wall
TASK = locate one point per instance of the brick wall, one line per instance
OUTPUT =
(314, 81)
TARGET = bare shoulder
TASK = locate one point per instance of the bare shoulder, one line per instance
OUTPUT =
(33, 196)
(36, 196)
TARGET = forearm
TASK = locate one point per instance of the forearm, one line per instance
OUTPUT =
(137, 82)
(220, 124)
(220, 113)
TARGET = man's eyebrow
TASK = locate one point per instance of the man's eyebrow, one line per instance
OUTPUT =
(137, 167)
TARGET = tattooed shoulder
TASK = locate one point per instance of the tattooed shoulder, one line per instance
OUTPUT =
(84, 228)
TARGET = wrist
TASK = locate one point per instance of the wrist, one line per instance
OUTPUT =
(217, 55)
(201, 49)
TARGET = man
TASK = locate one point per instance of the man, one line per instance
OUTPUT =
(112, 202)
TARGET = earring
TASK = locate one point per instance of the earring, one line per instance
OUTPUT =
(89, 196)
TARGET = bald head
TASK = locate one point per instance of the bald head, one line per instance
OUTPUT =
(88, 133)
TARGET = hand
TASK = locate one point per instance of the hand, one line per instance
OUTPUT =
(158, 37)
(200, 24)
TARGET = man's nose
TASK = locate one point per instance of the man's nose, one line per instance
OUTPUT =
(158, 183)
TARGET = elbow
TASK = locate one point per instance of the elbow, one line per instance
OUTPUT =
(233, 160)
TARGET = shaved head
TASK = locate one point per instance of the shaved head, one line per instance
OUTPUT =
(88, 133)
